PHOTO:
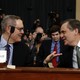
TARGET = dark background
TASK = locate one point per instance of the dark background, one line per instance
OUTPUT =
(29, 10)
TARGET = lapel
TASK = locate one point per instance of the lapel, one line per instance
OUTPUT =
(61, 46)
(48, 46)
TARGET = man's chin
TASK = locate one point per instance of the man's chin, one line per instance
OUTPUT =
(18, 40)
(65, 43)
(56, 40)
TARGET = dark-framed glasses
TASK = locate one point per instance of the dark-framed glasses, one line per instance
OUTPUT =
(20, 29)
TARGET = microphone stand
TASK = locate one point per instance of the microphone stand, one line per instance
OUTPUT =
(8, 38)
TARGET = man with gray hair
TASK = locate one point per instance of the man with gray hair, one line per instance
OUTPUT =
(12, 31)
(70, 33)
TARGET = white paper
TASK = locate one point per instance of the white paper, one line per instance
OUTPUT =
(3, 56)
(11, 66)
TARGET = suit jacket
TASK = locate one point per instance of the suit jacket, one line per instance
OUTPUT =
(21, 55)
(66, 59)
(45, 50)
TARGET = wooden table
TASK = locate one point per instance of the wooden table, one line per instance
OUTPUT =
(39, 73)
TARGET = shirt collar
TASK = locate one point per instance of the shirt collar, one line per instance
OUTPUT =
(3, 42)
(78, 44)
(54, 41)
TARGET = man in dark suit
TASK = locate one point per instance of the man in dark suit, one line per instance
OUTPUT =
(12, 31)
(70, 33)
(46, 53)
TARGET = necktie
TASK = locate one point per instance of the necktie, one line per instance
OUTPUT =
(78, 55)
(8, 52)
(54, 61)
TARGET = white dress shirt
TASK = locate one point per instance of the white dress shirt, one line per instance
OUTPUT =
(3, 43)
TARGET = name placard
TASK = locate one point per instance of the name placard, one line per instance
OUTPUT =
(3, 56)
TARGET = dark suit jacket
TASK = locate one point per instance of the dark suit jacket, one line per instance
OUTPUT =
(66, 59)
(21, 55)
(45, 50)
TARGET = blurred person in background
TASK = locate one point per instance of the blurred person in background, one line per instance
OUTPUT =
(2, 14)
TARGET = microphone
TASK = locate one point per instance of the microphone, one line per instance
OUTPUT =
(11, 31)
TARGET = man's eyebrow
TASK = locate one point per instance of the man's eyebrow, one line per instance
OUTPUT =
(62, 31)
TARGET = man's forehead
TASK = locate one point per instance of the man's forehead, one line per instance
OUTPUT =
(63, 29)
(19, 23)
(65, 24)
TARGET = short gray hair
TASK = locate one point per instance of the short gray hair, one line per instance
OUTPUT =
(9, 20)
(72, 24)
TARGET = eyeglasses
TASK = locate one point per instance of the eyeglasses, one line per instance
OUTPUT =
(20, 29)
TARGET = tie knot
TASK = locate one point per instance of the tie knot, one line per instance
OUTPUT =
(55, 43)
(7, 46)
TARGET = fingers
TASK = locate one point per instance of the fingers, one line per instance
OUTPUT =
(55, 55)
(54, 52)
(51, 56)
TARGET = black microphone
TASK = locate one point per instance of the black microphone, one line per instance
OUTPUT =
(11, 31)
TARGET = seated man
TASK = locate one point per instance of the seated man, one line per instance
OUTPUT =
(47, 51)
(12, 31)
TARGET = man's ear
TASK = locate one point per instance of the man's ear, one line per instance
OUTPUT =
(7, 29)
(76, 31)
(10, 29)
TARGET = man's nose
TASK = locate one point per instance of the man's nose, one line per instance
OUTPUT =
(61, 35)
(22, 31)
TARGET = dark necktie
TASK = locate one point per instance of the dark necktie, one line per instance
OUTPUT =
(8, 52)
(54, 61)
(78, 55)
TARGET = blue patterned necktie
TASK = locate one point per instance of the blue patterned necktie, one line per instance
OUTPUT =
(8, 52)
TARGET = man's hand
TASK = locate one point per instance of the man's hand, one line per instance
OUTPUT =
(51, 56)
